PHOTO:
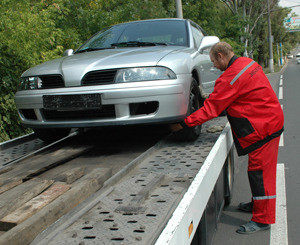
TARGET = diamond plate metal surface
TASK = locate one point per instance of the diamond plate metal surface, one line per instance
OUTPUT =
(13, 150)
(123, 218)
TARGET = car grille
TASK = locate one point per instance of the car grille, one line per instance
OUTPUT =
(99, 77)
(52, 81)
(107, 111)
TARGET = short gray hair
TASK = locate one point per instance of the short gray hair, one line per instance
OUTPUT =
(221, 47)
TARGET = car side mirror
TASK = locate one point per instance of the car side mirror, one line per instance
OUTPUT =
(68, 52)
(207, 42)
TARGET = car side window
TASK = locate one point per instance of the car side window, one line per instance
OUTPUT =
(197, 34)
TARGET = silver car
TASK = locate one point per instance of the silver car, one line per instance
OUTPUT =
(151, 71)
(298, 58)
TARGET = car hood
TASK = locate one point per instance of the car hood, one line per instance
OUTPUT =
(74, 67)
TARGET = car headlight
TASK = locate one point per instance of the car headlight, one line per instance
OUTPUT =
(144, 74)
(28, 83)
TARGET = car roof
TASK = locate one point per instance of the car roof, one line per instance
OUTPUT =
(150, 20)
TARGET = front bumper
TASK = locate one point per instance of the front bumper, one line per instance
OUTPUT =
(162, 101)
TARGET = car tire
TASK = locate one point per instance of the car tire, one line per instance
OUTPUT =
(195, 102)
(51, 134)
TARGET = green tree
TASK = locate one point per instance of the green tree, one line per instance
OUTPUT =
(28, 36)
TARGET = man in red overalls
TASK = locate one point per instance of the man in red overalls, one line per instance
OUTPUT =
(256, 120)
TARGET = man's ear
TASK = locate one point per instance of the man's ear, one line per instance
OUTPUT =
(220, 56)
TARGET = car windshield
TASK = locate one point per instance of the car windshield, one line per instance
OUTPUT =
(146, 33)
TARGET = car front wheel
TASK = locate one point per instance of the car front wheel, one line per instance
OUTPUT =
(195, 102)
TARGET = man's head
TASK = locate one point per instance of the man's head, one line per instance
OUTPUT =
(220, 54)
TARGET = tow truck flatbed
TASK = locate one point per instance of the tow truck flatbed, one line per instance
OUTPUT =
(159, 198)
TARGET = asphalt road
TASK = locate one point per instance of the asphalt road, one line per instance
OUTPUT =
(289, 153)
(286, 84)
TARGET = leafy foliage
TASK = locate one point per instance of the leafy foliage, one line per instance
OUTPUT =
(35, 31)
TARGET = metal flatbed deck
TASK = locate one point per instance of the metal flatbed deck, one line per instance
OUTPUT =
(135, 205)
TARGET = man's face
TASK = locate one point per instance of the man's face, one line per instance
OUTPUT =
(219, 61)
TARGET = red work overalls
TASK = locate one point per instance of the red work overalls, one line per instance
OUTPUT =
(256, 120)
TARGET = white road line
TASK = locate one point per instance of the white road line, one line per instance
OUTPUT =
(279, 231)
(280, 95)
(281, 81)
(281, 141)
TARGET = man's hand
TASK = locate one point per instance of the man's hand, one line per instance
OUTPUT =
(175, 127)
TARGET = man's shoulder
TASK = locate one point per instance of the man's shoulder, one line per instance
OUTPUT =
(243, 60)
(240, 63)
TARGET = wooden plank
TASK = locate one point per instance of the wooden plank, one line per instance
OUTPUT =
(58, 157)
(33, 206)
(70, 176)
(25, 232)
(11, 200)
(5, 170)
(11, 184)
(36, 165)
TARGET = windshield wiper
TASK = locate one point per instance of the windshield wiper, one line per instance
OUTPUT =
(123, 44)
(137, 44)
(92, 49)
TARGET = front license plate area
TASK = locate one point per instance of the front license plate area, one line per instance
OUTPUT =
(72, 102)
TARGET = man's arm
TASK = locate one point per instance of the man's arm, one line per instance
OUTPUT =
(219, 100)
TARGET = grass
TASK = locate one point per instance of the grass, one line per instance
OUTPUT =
(276, 69)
